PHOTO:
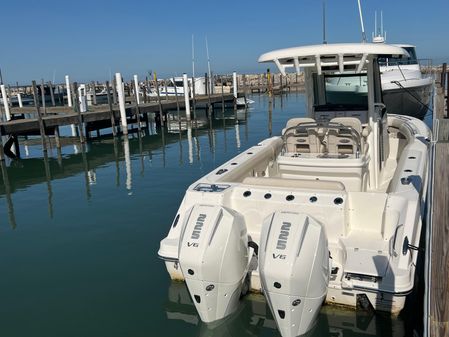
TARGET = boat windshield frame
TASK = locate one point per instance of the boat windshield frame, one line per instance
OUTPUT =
(385, 61)
(321, 93)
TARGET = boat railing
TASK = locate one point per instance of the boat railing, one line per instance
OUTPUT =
(322, 130)
(426, 67)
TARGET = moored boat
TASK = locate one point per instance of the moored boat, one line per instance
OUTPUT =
(328, 211)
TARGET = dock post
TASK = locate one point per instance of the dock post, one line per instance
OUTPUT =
(111, 110)
(39, 118)
(234, 88)
(52, 94)
(43, 97)
(78, 110)
(121, 102)
(269, 83)
(136, 88)
(114, 91)
(209, 104)
(222, 97)
(161, 111)
(443, 76)
(69, 93)
(5, 102)
(193, 98)
(94, 94)
(177, 109)
(234, 84)
(145, 86)
(136, 101)
(244, 88)
(19, 99)
(166, 90)
(186, 95)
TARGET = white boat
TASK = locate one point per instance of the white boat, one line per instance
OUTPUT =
(328, 211)
(406, 90)
(243, 102)
(175, 85)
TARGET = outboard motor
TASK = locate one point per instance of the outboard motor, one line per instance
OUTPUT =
(214, 259)
(294, 270)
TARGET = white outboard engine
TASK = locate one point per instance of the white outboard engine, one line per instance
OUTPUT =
(294, 270)
(214, 259)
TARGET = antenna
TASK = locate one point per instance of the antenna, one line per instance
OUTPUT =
(375, 23)
(324, 22)
(208, 65)
(1, 77)
(361, 22)
(193, 57)
(381, 23)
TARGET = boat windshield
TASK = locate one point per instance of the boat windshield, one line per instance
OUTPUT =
(341, 91)
(394, 61)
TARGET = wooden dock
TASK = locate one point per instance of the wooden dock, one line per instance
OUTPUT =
(100, 116)
(437, 299)
(63, 115)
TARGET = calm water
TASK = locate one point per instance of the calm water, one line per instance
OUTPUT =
(79, 236)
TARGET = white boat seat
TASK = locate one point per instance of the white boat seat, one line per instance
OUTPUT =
(302, 142)
(353, 122)
(295, 183)
(296, 121)
(343, 141)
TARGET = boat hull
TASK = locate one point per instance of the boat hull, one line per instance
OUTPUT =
(411, 99)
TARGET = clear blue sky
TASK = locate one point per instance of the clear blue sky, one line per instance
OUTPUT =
(90, 39)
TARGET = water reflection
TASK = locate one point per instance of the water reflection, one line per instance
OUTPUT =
(86, 158)
(253, 318)
(11, 215)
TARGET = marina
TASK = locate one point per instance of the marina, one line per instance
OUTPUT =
(222, 177)
(157, 136)
(82, 204)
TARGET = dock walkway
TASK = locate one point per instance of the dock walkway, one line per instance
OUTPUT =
(437, 299)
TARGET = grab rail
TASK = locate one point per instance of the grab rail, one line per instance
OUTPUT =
(306, 126)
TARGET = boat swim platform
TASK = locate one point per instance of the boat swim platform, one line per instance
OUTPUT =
(436, 302)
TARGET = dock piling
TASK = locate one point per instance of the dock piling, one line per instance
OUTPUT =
(193, 98)
(19, 99)
(136, 88)
(136, 101)
(52, 94)
(161, 111)
(121, 102)
(5, 102)
(39, 117)
(222, 97)
(69, 93)
(43, 97)
(78, 110)
(186, 95)
(178, 109)
(111, 110)
(234, 89)
(94, 94)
